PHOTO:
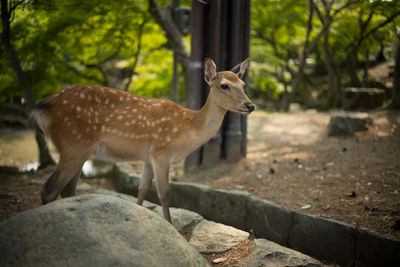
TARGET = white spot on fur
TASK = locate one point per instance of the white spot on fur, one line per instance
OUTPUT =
(82, 95)
(65, 101)
(175, 130)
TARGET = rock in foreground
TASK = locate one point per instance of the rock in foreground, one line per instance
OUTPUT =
(93, 230)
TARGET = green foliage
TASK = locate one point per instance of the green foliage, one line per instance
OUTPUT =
(99, 42)
(278, 31)
(92, 42)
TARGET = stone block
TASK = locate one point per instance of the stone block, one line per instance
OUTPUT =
(347, 123)
(362, 98)
(323, 238)
(376, 250)
(269, 220)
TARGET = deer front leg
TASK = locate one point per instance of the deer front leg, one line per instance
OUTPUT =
(145, 182)
(161, 173)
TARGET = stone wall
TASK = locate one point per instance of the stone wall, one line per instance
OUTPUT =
(318, 237)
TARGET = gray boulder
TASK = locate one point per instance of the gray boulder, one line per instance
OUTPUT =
(93, 230)
(267, 253)
(181, 219)
(347, 123)
(211, 237)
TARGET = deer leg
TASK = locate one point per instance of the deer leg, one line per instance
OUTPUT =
(145, 182)
(161, 173)
(70, 189)
(63, 175)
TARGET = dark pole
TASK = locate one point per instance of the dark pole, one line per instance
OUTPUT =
(220, 30)
(245, 37)
(232, 134)
(214, 38)
(195, 94)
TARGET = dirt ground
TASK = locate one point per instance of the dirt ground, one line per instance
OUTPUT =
(293, 163)
(290, 161)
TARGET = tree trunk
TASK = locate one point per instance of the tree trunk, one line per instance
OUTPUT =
(352, 67)
(333, 90)
(44, 155)
(305, 50)
(366, 68)
(45, 158)
(396, 79)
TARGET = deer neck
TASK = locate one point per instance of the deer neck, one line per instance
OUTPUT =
(208, 119)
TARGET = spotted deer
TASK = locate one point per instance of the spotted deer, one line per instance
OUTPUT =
(84, 121)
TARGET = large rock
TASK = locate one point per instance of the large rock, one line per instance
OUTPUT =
(181, 219)
(211, 237)
(93, 230)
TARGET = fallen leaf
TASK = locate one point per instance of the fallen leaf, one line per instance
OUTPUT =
(219, 260)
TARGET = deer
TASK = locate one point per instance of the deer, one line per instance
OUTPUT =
(85, 121)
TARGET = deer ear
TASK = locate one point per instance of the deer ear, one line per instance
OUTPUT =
(242, 68)
(210, 70)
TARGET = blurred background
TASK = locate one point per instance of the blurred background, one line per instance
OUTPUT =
(302, 51)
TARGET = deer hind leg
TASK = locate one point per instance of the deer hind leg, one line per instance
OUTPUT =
(66, 173)
(70, 189)
(161, 172)
(145, 182)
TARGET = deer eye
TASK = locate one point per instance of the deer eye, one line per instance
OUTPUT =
(224, 86)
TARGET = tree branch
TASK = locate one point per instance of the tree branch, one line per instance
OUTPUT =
(164, 19)
(131, 70)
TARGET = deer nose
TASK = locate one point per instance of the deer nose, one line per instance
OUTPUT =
(250, 107)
